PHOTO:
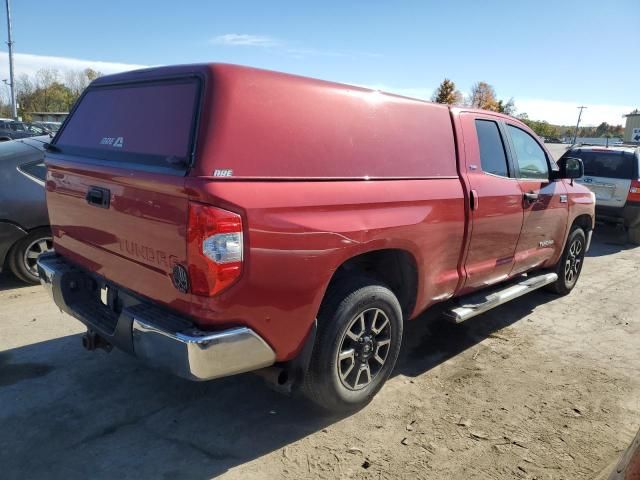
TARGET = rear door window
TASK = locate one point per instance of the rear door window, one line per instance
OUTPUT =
(147, 123)
(614, 164)
(492, 154)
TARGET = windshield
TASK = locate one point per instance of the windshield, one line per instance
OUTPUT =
(613, 164)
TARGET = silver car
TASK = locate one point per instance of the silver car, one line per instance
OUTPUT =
(613, 174)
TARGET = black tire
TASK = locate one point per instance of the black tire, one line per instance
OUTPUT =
(634, 235)
(329, 382)
(21, 259)
(570, 264)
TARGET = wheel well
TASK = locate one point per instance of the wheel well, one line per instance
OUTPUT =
(41, 227)
(395, 268)
(583, 221)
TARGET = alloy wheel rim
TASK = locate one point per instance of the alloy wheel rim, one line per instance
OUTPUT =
(33, 251)
(574, 261)
(364, 348)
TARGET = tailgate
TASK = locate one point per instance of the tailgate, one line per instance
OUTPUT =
(115, 184)
(610, 192)
(608, 174)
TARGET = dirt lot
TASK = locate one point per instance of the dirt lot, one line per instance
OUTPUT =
(544, 387)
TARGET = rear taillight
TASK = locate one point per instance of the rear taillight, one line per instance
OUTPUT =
(214, 248)
(634, 191)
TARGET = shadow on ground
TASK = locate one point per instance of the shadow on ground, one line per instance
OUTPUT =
(74, 414)
(67, 413)
(8, 281)
(609, 239)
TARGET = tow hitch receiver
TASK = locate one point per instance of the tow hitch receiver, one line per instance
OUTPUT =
(92, 341)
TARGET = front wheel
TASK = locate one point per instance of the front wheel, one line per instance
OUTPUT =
(570, 264)
(358, 341)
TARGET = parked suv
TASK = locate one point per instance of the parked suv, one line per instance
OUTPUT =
(613, 174)
(215, 219)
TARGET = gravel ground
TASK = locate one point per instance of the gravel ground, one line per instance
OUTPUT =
(544, 387)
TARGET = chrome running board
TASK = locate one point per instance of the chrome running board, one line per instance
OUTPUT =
(476, 303)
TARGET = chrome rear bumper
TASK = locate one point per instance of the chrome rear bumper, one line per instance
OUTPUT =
(156, 335)
(201, 355)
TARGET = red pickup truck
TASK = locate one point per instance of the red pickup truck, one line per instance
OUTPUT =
(217, 219)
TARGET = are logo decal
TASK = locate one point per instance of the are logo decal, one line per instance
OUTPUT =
(223, 173)
(117, 142)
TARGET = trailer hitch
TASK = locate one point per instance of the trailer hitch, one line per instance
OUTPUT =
(92, 341)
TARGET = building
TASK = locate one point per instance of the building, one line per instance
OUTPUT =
(48, 116)
(632, 128)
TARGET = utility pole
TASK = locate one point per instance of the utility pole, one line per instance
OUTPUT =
(14, 109)
(575, 135)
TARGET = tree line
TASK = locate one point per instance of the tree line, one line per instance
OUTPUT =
(483, 95)
(47, 91)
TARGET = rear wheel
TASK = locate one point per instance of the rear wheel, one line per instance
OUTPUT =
(358, 341)
(570, 264)
(24, 254)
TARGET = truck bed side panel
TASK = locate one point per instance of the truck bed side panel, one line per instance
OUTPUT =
(301, 232)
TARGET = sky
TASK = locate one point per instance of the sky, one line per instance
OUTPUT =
(550, 57)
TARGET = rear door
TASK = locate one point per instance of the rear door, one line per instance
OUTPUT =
(115, 184)
(545, 202)
(608, 174)
(497, 212)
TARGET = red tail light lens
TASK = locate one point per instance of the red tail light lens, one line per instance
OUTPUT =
(214, 248)
(634, 191)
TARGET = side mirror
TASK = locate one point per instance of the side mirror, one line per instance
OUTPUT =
(570, 168)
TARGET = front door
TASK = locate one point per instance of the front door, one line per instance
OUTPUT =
(544, 202)
(497, 209)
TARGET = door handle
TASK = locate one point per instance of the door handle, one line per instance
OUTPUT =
(474, 200)
(99, 197)
(530, 197)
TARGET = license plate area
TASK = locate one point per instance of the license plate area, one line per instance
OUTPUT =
(94, 301)
(603, 193)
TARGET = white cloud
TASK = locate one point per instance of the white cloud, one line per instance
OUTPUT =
(245, 40)
(26, 63)
(566, 113)
(277, 46)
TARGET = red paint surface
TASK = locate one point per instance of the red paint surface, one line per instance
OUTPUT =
(270, 129)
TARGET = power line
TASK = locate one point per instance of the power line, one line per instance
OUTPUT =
(575, 135)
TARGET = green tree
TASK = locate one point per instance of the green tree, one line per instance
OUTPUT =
(78, 80)
(483, 96)
(507, 107)
(541, 128)
(446, 93)
(46, 92)
(602, 129)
